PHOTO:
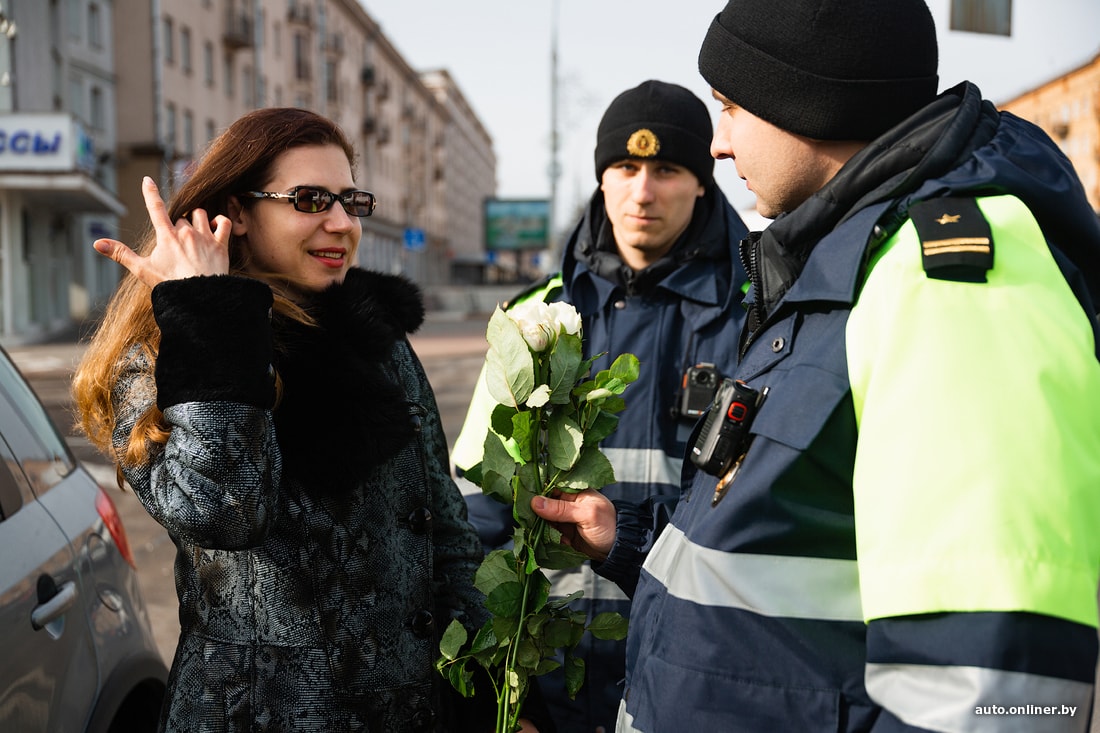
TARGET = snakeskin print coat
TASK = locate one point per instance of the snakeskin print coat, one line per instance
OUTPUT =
(322, 546)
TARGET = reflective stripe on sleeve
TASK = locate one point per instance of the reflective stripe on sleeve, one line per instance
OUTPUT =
(979, 700)
(644, 466)
(777, 586)
(582, 578)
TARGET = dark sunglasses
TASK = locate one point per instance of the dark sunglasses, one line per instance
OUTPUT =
(312, 200)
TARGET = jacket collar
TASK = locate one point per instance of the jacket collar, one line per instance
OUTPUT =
(807, 256)
(706, 248)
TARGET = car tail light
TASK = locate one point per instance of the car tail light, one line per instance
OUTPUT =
(107, 511)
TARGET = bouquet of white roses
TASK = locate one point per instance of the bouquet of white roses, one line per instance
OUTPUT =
(546, 430)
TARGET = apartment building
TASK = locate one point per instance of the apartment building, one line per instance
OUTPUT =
(57, 175)
(212, 60)
(114, 90)
(1068, 109)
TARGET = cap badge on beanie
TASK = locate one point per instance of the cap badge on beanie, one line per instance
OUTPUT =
(643, 144)
(656, 120)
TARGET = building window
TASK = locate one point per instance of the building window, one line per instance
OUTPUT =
(185, 49)
(246, 87)
(169, 41)
(76, 97)
(230, 79)
(208, 63)
(170, 129)
(95, 26)
(211, 131)
(98, 114)
(188, 141)
(982, 16)
(301, 57)
(332, 86)
(73, 8)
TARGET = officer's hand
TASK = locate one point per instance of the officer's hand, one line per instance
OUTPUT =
(184, 249)
(585, 519)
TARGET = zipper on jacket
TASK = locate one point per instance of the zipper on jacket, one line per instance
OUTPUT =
(749, 252)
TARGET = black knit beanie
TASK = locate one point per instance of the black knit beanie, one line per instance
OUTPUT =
(825, 69)
(657, 120)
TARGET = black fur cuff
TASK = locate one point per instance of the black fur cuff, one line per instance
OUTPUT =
(215, 343)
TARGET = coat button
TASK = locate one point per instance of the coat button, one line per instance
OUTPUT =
(420, 520)
(778, 344)
(421, 623)
(620, 304)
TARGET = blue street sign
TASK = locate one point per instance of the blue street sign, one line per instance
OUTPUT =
(414, 240)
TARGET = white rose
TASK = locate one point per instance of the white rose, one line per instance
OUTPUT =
(567, 318)
(535, 322)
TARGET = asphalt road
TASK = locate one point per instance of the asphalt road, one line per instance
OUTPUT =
(452, 351)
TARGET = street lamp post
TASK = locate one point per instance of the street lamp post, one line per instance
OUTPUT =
(555, 167)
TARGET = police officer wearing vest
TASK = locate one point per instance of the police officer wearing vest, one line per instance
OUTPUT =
(891, 519)
(652, 268)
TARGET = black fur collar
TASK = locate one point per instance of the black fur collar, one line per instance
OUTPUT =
(341, 414)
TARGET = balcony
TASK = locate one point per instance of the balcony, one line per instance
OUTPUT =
(299, 13)
(238, 31)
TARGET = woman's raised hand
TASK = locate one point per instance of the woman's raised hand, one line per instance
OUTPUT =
(184, 249)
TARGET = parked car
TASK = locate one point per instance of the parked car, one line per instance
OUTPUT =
(77, 646)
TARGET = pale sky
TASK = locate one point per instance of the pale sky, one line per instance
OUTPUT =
(499, 51)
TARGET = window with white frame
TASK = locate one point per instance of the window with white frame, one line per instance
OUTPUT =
(169, 41)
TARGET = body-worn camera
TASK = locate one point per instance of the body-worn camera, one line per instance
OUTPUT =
(724, 436)
(697, 389)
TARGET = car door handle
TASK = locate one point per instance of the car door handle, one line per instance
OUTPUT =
(55, 607)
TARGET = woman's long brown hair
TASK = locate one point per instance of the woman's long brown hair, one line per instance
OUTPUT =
(240, 159)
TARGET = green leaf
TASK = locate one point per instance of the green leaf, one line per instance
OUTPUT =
(501, 420)
(626, 368)
(505, 600)
(497, 487)
(592, 471)
(497, 469)
(473, 473)
(461, 679)
(565, 439)
(556, 556)
(563, 602)
(527, 654)
(509, 367)
(453, 639)
(484, 640)
(505, 628)
(603, 425)
(574, 675)
(524, 425)
(565, 361)
(539, 592)
(558, 633)
(525, 485)
(613, 404)
(608, 626)
(498, 567)
(546, 666)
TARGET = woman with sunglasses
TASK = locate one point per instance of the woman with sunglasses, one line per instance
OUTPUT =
(259, 394)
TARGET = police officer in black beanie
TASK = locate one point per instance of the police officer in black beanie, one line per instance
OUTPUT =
(652, 268)
(870, 539)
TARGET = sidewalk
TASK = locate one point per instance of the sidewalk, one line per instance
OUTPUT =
(444, 334)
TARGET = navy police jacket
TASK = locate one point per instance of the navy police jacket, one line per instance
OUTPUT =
(679, 313)
(907, 541)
